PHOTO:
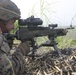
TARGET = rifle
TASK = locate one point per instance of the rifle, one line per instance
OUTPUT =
(31, 27)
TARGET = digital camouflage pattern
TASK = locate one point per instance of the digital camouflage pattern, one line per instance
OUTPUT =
(3, 44)
(10, 64)
(8, 10)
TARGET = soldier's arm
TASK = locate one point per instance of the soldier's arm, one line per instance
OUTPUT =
(15, 63)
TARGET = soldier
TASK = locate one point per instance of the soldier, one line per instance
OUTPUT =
(10, 64)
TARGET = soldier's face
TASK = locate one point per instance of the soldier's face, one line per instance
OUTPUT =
(9, 25)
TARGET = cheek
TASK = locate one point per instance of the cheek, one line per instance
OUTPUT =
(10, 27)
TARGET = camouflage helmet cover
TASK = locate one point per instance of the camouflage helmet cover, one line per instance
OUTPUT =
(8, 10)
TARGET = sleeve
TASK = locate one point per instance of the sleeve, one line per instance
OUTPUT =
(10, 64)
(18, 62)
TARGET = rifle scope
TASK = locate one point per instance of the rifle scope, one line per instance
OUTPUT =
(30, 21)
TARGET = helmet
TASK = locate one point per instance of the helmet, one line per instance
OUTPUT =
(8, 10)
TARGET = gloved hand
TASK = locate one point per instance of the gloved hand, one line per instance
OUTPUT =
(24, 47)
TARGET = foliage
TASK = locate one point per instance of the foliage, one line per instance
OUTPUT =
(73, 42)
(41, 40)
(65, 43)
(15, 27)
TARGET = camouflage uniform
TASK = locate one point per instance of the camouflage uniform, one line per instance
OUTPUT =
(11, 64)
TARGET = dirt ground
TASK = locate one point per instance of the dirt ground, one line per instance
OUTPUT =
(49, 63)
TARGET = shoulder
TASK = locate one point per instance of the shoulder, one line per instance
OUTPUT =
(4, 44)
